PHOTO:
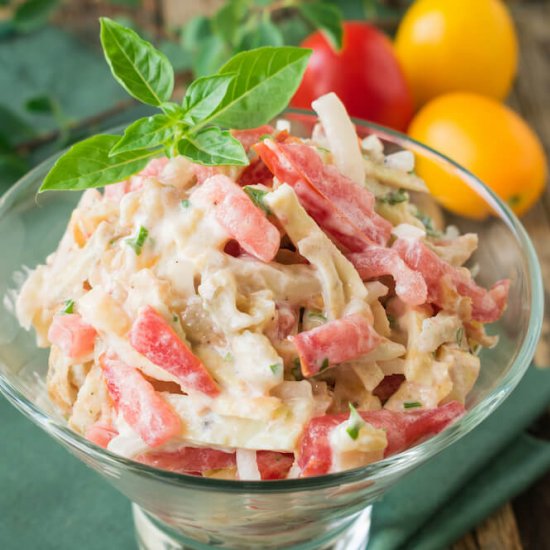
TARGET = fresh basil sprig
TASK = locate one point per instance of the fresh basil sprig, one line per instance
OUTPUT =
(248, 91)
(142, 70)
(88, 164)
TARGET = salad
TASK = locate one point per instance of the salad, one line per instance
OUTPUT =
(285, 315)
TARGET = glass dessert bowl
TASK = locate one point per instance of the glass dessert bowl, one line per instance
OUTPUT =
(175, 511)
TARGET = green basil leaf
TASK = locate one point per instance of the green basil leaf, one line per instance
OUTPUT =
(325, 17)
(145, 133)
(213, 147)
(5, 146)
(294, 30)
(33, 14)
(266, 79)
(43, 105)
(226, 22)
(266, 33)
(142, 70)
(204, 95)
(210, 55)
(128, 3)
(173, 111)
(88, 164)
(195, 30)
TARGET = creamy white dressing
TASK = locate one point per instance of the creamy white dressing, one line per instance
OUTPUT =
(231, 311)
(352, 452)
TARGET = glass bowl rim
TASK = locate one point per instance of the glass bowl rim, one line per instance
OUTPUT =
(386, 467)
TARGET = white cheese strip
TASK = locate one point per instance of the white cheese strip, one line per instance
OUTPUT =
(341, 136)
(340, 281)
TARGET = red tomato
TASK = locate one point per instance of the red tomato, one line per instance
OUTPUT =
(154, 338)
(403, 429)
(274, 465)
(189, 460)
(365, 75)
(72, 335)
(142, 407)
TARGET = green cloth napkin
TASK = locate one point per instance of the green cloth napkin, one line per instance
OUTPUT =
(454, 491)
(49, 500)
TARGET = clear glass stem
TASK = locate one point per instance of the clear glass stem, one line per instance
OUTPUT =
(153, 534)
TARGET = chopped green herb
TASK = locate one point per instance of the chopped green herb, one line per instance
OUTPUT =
(185, 203)
(324, 364)
(137, 242)
(175, 318)
(459, 335)
(428, 225)
(391, 319)
(412, 404)
(275, 368)
(394, 197)
(353, 431)
(355, 422)
(265, 136)
(68, 306)
(316, 315)
(257, 196)
(228, 357)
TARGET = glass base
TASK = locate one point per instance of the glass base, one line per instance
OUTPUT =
(152, 534)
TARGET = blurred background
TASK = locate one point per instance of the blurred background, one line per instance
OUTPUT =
(468, 77)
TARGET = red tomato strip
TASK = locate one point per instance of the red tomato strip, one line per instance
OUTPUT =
(154, 338)
(72, 335)
(487, 305)
(377, 261)
(370, 259)
(335, 342)
(241, 218)
(255, 172)
(403, 429)
(274, 465)
(299, 165)
(141, 406)
(251, 136)
(389, 385)
(202, 173)
(100, 433)
(189, 460)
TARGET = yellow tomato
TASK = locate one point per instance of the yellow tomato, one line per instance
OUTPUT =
(488, 139)
(457, 45)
